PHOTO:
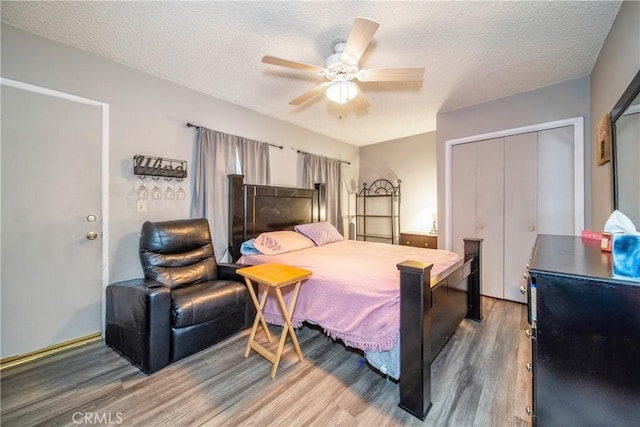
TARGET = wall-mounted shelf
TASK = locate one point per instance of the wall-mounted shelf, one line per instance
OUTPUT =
(158, 166)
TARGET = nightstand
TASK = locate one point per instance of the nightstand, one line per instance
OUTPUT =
(419, 239)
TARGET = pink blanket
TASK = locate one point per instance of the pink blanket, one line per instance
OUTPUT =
(354, 293)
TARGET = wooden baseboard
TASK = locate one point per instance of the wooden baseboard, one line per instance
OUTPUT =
(11, 361)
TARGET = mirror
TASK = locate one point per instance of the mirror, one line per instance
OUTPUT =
(625, 118)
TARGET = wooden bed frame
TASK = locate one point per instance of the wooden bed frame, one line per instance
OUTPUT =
(431, 308)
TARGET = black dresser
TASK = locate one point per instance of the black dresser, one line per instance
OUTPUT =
(585, 327)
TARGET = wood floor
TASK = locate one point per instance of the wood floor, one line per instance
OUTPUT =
(479, 379)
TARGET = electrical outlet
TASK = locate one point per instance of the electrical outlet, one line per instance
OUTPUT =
(141, 206)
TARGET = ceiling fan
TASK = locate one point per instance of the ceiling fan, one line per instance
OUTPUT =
(342, 67)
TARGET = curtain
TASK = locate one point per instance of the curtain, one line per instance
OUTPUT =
(316, 169)
(217, 155)
(254, 162)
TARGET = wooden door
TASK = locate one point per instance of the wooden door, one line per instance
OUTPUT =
(51, 183)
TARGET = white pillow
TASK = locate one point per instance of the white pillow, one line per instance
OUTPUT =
(279, 242)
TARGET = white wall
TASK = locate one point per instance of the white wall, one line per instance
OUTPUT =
(556, 102)
(148, 116)
(618, 62)
(412, 160)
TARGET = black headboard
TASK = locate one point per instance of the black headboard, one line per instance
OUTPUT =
(254, 209)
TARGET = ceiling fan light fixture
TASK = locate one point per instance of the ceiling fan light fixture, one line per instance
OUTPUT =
(343, 66)
(341, 91)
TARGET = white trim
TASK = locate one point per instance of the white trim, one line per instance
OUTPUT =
(578, 167)
(104, 190)
(105, 209)
(50, 92)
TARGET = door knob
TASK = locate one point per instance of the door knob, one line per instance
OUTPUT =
(529, 410)
(523, 290)
(531, 228)
(480, 226)
(92, 235)
(529, 367)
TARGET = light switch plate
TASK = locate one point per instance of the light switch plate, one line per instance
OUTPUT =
(141, 206)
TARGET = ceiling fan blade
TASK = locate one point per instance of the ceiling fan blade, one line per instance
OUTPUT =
(291, 64)
(390, 74)
(310, 94)
(361, 34)
(359, 102)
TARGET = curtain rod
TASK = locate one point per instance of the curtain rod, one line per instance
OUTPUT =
(341, 161)
(191, 125)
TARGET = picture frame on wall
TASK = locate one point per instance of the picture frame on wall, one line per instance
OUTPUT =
(603, 141)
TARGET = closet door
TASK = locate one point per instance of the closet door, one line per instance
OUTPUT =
(477, 193)
(463, 195)
(556, 188)
(490, 213)
(520, 209)
(524, 186)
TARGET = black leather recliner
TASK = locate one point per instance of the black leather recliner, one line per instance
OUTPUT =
(185, 303)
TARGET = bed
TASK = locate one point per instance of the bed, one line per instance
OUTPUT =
(431, 301)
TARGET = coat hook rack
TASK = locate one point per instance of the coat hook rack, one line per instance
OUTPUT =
(159, 167)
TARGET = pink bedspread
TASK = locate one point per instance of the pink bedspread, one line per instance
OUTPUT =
(354, 293)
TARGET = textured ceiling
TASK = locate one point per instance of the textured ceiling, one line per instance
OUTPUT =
(472, 51)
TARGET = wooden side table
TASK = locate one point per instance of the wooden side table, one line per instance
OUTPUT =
(273, 276)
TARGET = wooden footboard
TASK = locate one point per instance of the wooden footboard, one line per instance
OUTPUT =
(431, 308)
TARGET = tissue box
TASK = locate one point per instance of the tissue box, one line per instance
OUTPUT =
(626, 255)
